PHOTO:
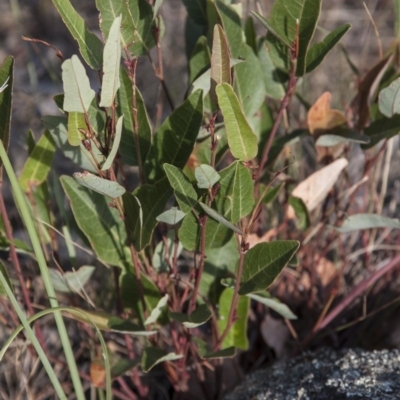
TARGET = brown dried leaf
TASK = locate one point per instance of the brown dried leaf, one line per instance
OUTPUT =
(97, 373)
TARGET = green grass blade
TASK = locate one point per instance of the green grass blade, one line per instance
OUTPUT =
(26, 216)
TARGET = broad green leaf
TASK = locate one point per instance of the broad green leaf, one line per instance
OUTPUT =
(220, 60)
(318, 51)
(100, 185)
(241, 139)
(382, 128)
(101, 223)
(389, 99)
(77, 91)
(289, 17)
(6, 87)
(218, 217)
(272, 80)
(189, 233)
(59, 100)
(131, 298)
(272, 303)
(38, 164)
(198, 317)
(42, 210)
(271, 193)
(3, 271)
(156, 6)
(301, 211)
(237, 336)
(136, 26)
(156, 312)
(153, 356)
(171, 216)
(206, 176)
(248, 86)
(115, 145)
(184, 192)
(150, 201)
(121, 366)
(268, 27)
(263, 264)
(199, 60)
(202, 83)
(90, 45)
(123, 326)
(112, 60)
(163, 257)
(79, 155)
(205, 351)
(125, 101)
(348, 135)
(367, 221)
(72, 281)
(76, 121)
(235, 197)
(197, 11)
(250, 34)
(175, 139)
(220, 263)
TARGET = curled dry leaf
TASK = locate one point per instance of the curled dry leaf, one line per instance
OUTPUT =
(316, 187)
(326, 270)
(322, 119)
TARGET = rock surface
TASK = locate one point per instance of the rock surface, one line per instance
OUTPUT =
(326, 375)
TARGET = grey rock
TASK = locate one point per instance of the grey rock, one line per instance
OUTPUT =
(326, 374)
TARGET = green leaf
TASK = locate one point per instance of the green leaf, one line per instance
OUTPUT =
(250, 33)
(367, 221)
(303, 219)
(218, 217)
(153, 356)
(100, 185)
(115, 145)
(199, 60)
(389, 99)
(6, 87)
(206, 176)
(76, 121)
(241, 139)
(59, 100)
(156, 7)
(101, 224)
(156, 312)
(202, 83)
(136, 26)
(268, 27)
(220, 60)
(125, 101)
(72, 281)
(237, 336)
(171, 216)
(184, 192)
(90, 45)
(79, 155)
(112, 59)
(272, 80)
(319, 51)
(197, 11)
(38, 164)
(272, 303)
(131, 298)
(148, 201)
(189, 233)
(382, 128)
(78, 93)
(235, 197)
(271, 193)
(263, 264)
(3, 271)
(248, 87)
(283, 20)
(123, 326)
(175, 139)
(347, 135)
(229, 352)
(198, 317)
